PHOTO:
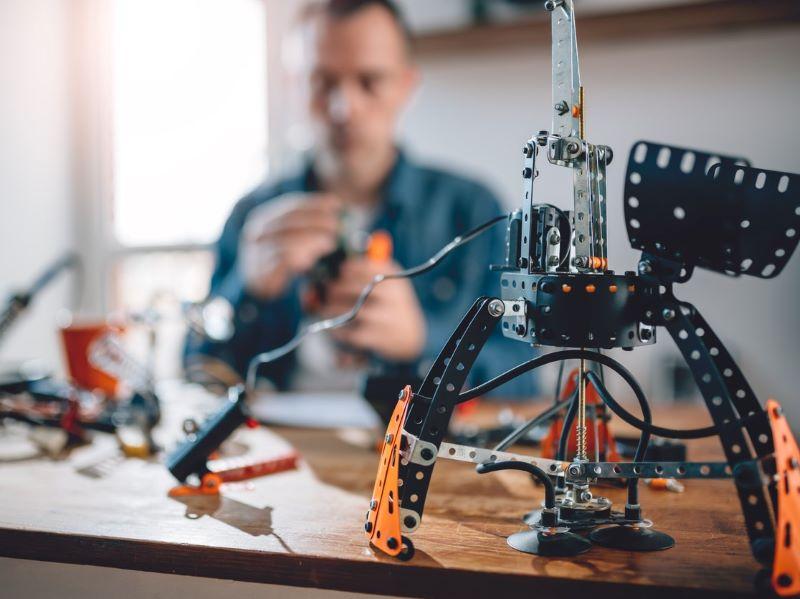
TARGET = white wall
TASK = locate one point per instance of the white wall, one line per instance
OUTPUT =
(735, 92)
(35, 166)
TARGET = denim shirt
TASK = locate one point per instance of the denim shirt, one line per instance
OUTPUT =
(423, 209)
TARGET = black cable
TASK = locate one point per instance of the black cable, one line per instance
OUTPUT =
(572, 354)
(343, 319)
(557, 396)
(541, 476)
(644, 439)
(567, 426)
(533, 422)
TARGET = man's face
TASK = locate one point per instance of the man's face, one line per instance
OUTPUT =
(361, 79)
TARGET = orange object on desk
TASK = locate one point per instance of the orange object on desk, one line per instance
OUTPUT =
(77, 339)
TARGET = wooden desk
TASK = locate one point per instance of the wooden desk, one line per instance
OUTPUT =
(304, 528)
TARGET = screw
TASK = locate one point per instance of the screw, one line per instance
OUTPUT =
(549, 6)
(391, 543)
(368, 527)
(668, 314)
(586, 497)
(553, 261)
(555, 238)
(496, 308)
(574, 470)
(520, 330)
(645, 267)
(426, 454)
(541, 139)
(580, 261)
(410, 521)
(373, 505)
(389, 438)
(522, 263)
(572, 147)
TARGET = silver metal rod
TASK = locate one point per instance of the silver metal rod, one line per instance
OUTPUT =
(581, 429)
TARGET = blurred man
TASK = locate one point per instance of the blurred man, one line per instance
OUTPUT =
(362, 78)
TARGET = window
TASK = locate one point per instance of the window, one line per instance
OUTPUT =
(189, 123)
(189, 110)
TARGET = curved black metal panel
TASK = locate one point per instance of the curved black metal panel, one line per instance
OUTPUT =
(712, 211)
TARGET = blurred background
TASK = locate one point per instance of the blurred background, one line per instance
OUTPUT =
(129, 128)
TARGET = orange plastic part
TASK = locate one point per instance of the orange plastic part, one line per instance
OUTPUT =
(209, 485)
(380, 246)
(383, 519)
(786, 566)
(606, 440)
(212, 482)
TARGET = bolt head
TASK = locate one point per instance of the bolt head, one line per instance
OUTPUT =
(496, 308)
(426, 454)
(668, 314)
(645, 267)
(368, 527)
(391, 543)
(373, 505)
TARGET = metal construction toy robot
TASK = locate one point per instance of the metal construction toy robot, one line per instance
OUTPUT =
(683, 209)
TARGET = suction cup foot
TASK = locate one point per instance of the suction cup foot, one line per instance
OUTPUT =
(632, 538)
(549, 544)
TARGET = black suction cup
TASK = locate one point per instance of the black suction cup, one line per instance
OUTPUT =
(547, 544)
(632, 538)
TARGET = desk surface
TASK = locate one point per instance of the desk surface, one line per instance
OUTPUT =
(304, 528)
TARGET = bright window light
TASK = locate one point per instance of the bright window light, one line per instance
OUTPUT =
(190, 116)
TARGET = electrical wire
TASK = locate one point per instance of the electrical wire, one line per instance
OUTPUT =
(667, 433)
(347, 317)
(572, 354)
(532, 423)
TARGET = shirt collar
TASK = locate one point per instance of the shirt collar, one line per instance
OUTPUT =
(397, 190)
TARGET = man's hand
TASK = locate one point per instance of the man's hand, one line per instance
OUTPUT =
(285, 237)
(391, 323)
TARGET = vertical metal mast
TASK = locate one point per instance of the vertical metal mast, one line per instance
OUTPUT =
(567, 146)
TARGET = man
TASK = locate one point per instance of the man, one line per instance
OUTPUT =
(362, 78)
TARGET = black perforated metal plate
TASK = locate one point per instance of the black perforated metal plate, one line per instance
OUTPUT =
(712, 211)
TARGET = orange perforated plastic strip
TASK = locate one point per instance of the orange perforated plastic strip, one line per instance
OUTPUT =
(786, 567)
(383, 518)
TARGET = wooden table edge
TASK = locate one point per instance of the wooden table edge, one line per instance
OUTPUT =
(381, 577)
